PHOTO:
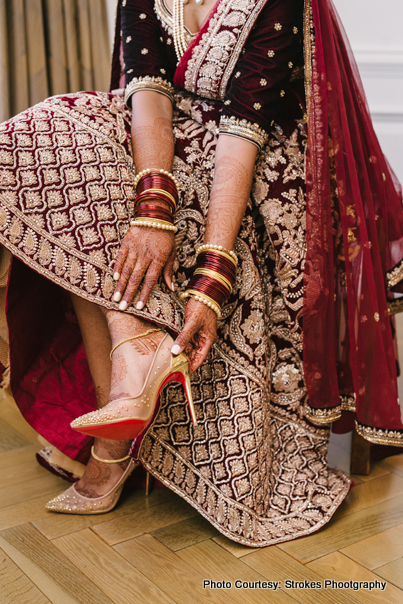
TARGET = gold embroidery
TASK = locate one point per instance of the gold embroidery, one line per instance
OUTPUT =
(309, 51)
(395, 275)
(380, 436)
(243, 128)
(395, 306)
(149, 83)
(274, 485)
(321, 417)
(214, 57)
(348, 402)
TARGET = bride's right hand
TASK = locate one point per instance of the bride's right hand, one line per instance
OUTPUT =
(145, 253)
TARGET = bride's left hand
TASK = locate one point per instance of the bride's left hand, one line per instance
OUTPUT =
(198, 334)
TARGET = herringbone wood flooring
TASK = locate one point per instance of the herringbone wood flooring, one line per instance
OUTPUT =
(157, 549)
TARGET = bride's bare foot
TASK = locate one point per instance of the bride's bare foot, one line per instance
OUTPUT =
(100, 477)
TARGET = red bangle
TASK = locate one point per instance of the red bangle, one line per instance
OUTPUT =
(153, 196)
(157, 180)
(157, 215)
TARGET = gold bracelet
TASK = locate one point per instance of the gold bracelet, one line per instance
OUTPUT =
(214, 275)
(155, 223)
(163, 192)
(218, 248)
(95, 456)
(144, 172)
(192, 293)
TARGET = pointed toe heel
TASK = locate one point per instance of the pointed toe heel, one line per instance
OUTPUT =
(127, 418)
(71, 502)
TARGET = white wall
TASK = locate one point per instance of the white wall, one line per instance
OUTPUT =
(375, 32)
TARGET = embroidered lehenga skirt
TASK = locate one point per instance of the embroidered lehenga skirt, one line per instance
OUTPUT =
(255, 467)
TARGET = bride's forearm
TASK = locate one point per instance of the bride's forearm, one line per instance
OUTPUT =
(233, 173)
(152, 134)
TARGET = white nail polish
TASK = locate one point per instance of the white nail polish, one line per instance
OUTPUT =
(116, 276)
(123, 305)
(117, 296)
(176, 349)
(139, 305)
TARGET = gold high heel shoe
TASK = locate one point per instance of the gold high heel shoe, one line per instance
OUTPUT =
(127, 418)
(71, 502)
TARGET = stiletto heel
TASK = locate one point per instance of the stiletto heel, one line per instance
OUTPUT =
(181, 374)
(127, 418)
(149, 483)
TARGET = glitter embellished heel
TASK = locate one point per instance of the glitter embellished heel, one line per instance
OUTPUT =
(127, 418)
(71, 502)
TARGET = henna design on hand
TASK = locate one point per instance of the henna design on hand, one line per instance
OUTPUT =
(198, 334)
(145, 253)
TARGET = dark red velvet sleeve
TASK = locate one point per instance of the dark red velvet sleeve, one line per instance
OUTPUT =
(147, 60)
(261, 76)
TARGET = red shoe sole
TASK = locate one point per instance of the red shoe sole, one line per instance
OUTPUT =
(128, 429)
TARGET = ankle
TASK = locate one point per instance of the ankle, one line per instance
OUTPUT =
(131, 362)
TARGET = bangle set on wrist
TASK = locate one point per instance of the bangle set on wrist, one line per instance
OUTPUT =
(214, 276)
(155, 185)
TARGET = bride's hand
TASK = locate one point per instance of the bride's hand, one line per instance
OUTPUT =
(198, 334)
(145, 253)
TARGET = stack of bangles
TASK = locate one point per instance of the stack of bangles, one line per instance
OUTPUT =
(213, 277)
(153, 185)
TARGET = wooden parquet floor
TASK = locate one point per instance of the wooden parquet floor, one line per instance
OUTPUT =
(157, 549)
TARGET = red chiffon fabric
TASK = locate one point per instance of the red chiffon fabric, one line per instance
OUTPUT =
(355, 235)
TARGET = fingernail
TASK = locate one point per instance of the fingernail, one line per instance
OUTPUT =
(117, 296)
(172, 287)
(123, 305)
(116, 276)
(139, 305)
(175, 349)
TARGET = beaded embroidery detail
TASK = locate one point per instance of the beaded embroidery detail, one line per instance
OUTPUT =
(216, 54)
(149, 83)
(243, 128)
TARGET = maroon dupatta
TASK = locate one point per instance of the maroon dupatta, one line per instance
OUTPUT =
(354, 237)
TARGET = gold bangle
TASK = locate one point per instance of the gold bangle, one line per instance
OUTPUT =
(144, 172)
(219, 249)
(161, 191)
(95, 456)
(202, 298)
(155, 223)
(214, 275)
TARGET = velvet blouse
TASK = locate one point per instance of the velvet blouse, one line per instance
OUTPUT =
(271, 55)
